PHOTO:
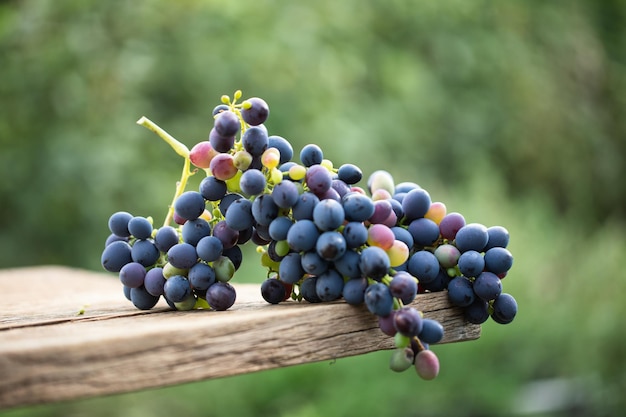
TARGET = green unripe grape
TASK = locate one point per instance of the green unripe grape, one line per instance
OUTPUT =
(224, 269)
(268, 263)
(401, 359)
(401, 341)
(381, 180)
(242, 160)
(282, 248)
(187, 304)
(232, 184)
(170, 270)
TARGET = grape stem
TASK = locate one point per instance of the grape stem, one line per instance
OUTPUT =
(180, 149)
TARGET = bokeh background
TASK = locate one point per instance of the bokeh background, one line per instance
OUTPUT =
(511, 113)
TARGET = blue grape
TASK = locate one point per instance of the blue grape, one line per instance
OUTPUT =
(313, 264)
(331, 246)
(154, 281)
(221, 296)
(424, 231)
(415, 204)
(273, 291)
(498, 260)
(350, 174)
(472, 236)
(329, 285)
(424, 266)
(290, 270)
(498, 237)
(142, 299)
(189, 205)
(404, 287)
(440, 282)
(303, 209)
(283, 146)
(374, 262)
(408, 321)
(194, 230)
(114, 238)
(227, 124)
(477, 312)
(307, 290)
(378, 299)
(220, 108)
(264, 209)
(132, 274)
(357, 207)
(328, 215)
(212, 189)
(255, 111)
(504, 309)
(460, 292)
(165, 238)
(471, 263)
(355, 234)
(432, 331)
(219, 142)
(285, 194)
(201, 276)
(311, 155)
(144, 252)
(252, 182)
(140, 227)
(227, 200)
(255, 140)
(302, 236)
(177, 288)
(183, 256)
(225, 234)
(403, 235)
(487, 286)
(349, 265)
(405, 187)
(279, 227)
(239, 215)
(118, 223)
(209, 248)
(116, 255)
(318, 179)
(354, 291)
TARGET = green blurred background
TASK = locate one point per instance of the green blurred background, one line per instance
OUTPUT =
(511, 113)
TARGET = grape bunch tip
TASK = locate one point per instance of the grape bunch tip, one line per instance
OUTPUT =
(321, 236)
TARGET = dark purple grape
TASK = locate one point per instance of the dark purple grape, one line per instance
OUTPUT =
(273, 291)
(227, 123)
(255, 111)
(221, 296)
(118, 223)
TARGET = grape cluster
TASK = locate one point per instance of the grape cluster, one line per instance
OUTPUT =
(321, 236)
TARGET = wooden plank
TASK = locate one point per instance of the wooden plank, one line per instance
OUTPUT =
(49, 352)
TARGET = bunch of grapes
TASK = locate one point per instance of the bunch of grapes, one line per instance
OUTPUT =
(321, 236)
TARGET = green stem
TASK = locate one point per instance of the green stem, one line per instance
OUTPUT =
(179, 147)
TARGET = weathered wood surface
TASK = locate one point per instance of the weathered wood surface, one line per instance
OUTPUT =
(68, 333)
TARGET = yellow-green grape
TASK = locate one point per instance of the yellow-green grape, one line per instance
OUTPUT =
(276, 176)
(381, 180)
(242, 160)
(224, 269)
(170, 270)
(232, 184)
(282, 248)
(401, 341)
(270, 158)
(436, 212)
(328, 164)
(401, 360)
(297, 172)
(398, 253)
(268, 263)
(187, 304)
(201, 303)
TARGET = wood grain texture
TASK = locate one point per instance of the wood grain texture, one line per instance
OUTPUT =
(49, 352)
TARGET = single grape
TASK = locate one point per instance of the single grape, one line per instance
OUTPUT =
(350, 174)
(355, 234)
(432, 331)
(424, 231)
(227, 123)
(201, 154)
(357, 207)
(378, 299)
(477, 312)
(221, 296)
(386, 324)
(224, 268)
(487, 286)
(271, 158)
(374, 262)
(201, 276)
(498, 260)
(416, 204)
(220, 143)
(447, 255)
(349, 265)
(255, 141)
(182, 255)
(170, 270)
(264, 209)
(142, 299)
(144, 252)
(471, 263)
(427, 365)
(177, 288)
(498, 237)
(242, 160)
(398, 253)
(118, 223)
(402, 234)
(408, 321)
(313, 264)
(115, 256)
(401, 359)
(404, 287)
(504, 309)
(235, 255)
(154, 281)
(220, 108)
(165, 238)
(279, 227)
(302, 236)
(450, 225)
(380, 180)
(225, 234)
(223, 167)
(328, 215)
(382, 211)
(239, 215)
(436, 212)
(273, 291)
(194, 230)
(354, 291)
(311, 155)
(189, 205)
(290, 270)
(318, 179)
(329, 285)
(285, 194)
(381, 236)
(140, 227)
(212, 189)
(114, 238)
(424, 266)
(255, 111)
(460, 292)
(472, 236)
(308, 290)
(305, 205)
(132, 275)
(331, 246)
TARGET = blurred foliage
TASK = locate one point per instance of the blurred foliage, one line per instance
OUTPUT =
(511, 112)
